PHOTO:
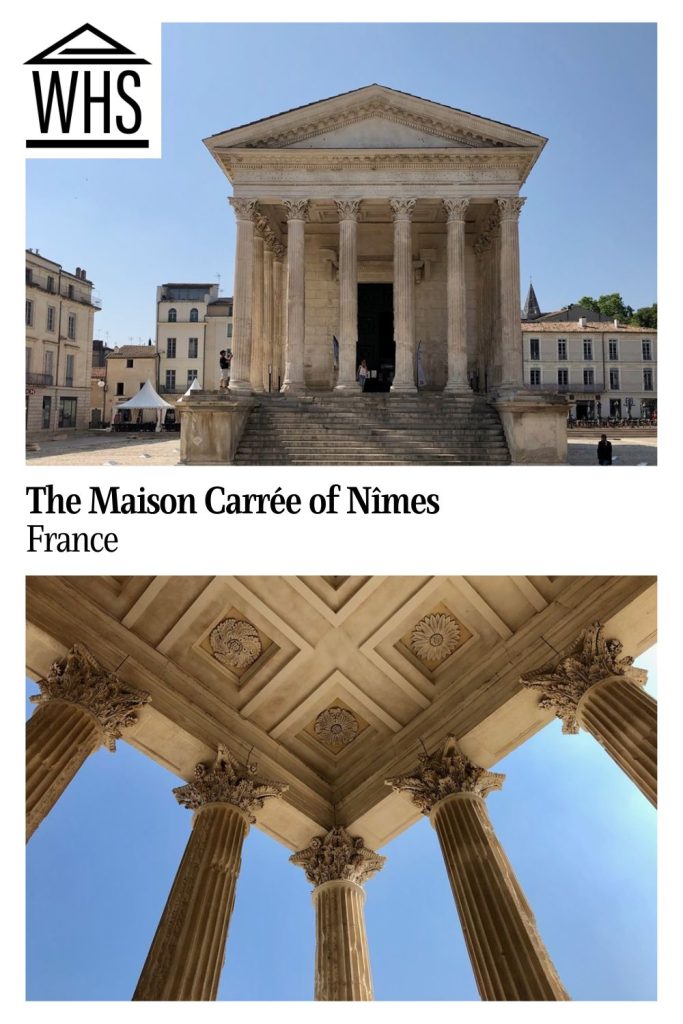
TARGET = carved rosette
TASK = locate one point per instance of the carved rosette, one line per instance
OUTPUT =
(297, 209)
(455, 208)
(591, 659)
(235, 643)
(402, 209)
(443, 773)
(336, 856)
(348, 209)
(510, 209)
(245, 209)
(79, 679)
(228, 781)
(435, 637)
(336, 726)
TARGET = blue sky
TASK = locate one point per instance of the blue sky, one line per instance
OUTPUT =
(589, 225)
(580, 836)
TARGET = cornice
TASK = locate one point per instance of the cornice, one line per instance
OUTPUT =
(335, 159)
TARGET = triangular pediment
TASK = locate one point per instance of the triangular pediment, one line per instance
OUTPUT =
(382, 130)
(375, 118)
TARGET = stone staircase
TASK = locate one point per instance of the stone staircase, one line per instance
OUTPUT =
(372, 430)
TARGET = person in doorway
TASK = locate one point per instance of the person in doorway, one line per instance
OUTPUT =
(604, 451)
(224, 363)
(362, 374)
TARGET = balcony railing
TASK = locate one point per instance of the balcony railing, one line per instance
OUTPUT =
(581, 389)
(45, 380)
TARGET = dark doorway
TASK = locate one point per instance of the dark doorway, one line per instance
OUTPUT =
(376, 334)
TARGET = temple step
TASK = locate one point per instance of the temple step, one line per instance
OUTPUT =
(335, 430)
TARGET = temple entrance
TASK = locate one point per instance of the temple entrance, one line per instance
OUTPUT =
(376, 334)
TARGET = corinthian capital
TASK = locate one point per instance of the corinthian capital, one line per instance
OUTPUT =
(402, 209)
(261, 226)
(245, 209)
(228, 781)
(511, 208)
(297, 209)
(443, 773)
(590, 659)
(338, 855)
(79, 679)
(455, 208)
(348, 209)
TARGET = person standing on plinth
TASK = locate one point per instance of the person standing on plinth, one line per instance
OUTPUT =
(224, 363)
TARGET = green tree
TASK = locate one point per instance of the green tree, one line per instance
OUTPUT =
(646, 316)
(611, 306)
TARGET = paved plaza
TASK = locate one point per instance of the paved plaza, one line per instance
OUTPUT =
(100, 449)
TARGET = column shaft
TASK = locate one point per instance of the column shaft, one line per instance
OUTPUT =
(59, 737)
(510, 301)
(268, 317)
(294, 359)
(456, 297)
(348, 295)
(188, 949)
(277, 319)
(509, 959)
(342, 962)
(404, 297)
(623, 719)
(257, 316)
(240, 370)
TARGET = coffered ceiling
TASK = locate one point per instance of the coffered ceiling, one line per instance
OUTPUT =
(334, 681)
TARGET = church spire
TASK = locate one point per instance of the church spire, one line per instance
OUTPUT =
(531, 310)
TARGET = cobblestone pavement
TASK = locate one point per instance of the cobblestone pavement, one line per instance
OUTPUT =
(164, 450)
(102, 449)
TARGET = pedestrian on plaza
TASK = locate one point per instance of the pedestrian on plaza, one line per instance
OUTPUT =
(362, 374)
(604, 451)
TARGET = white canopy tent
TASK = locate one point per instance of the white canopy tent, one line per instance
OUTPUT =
(194, 386)
(146, 398)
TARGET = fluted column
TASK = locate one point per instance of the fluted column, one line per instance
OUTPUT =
(268, 257)
(508, 957)
(593, 687)
(404, 296)
(278, 269)
(81, 707)
(188, 950)
(456, 210)
(338, 864)
(297, 215)
(349, 210)
(258, 341)
(510, 299)
(240, 368)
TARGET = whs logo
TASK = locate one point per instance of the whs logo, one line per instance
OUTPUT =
(90, 92)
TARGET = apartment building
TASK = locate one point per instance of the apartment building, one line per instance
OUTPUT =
(60, 315)
(193, 325)
(604, 369)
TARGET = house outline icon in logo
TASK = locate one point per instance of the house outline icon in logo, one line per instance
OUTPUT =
(59, 92)
(113, 53)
